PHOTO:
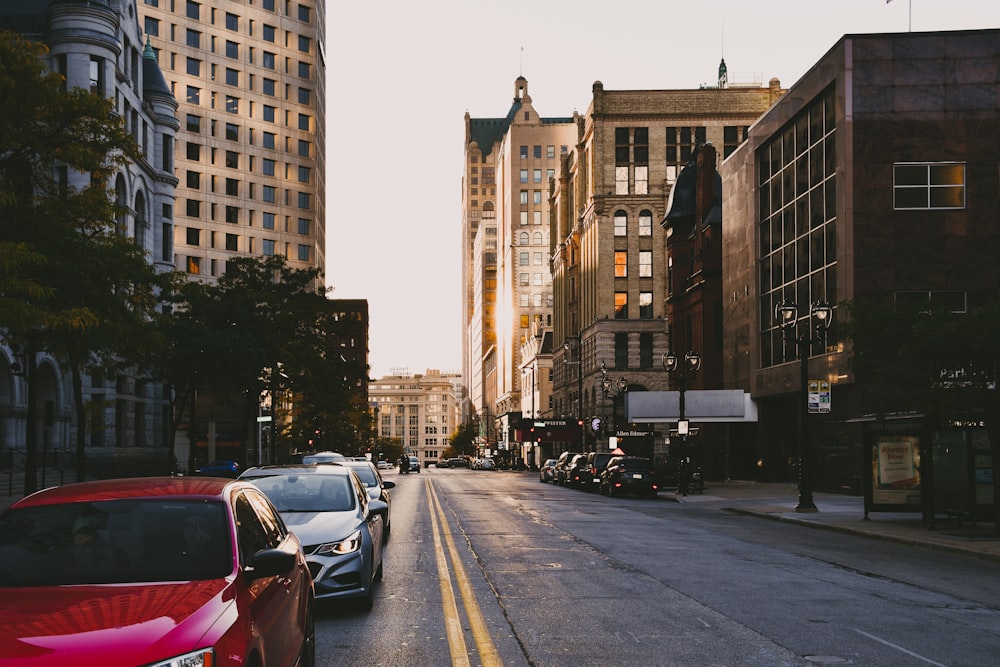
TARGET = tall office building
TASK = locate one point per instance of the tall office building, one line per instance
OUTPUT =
(507, 284)
(249, 78)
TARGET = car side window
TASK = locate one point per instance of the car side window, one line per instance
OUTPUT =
(256, 528)
(361, 493)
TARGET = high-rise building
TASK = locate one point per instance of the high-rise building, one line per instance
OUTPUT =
(419, 411)
(507, 284)
(249, 78)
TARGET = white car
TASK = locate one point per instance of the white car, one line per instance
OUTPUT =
(383, 465)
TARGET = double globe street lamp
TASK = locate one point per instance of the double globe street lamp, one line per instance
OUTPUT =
(685, 368)
(612, 388)
(818, 321)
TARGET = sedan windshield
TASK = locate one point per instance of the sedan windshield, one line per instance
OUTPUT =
(120, 541)
(307, 493)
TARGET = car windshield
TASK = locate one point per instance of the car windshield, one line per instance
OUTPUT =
(119, 541)
(366, 474)
(635, 465)
(307, 493)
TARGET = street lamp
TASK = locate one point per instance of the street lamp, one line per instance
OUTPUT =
(579, 382)
(612, 388)
(672, 364)
(820, 318)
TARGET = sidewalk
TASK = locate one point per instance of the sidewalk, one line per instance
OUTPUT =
(846, 514)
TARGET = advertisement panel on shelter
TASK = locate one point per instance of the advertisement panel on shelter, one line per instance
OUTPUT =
(896, 470)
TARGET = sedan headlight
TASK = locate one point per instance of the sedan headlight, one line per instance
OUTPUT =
(347, 545)
(200, 658)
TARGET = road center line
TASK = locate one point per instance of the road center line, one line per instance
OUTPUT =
(452, 622)
(488, 655)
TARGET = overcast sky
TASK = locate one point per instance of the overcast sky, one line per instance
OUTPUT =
(402, 74)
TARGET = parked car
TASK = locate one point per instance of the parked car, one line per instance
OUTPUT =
(561, 470)
(457, 462)
(629, 475)
(189, 556)
(547, 472)
(484, 464)
(596, 462)
(230, 469)
(414, 464)
(324, 457)
(383, 465)
(339, 525)
(378, 489)
(578, 472)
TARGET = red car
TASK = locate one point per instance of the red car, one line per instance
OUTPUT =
(153, 571)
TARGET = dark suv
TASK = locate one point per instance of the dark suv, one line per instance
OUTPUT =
(629, 475)
(561, 474)
(578, 472)
(596, 462)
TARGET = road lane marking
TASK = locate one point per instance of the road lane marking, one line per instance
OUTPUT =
(897, 647)
(452, 622)
(488, 654)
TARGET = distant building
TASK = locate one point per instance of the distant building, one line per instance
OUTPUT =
(419, 411)
(507, 281)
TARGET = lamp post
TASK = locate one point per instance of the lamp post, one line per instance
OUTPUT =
(612, 388)
(818, 321)
(579, 383)
(691, 365)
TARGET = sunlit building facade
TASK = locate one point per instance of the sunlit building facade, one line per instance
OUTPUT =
(418, 411)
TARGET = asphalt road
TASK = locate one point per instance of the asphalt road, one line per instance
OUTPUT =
(543, 575)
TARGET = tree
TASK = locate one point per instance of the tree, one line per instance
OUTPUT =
(72, 284)
(463, 440)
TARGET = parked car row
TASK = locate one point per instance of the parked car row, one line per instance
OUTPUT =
(604, 472)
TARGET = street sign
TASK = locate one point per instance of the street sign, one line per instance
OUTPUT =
(819, 396)
(265, 418)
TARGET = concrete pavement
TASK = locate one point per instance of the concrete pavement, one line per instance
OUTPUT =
(846, 514)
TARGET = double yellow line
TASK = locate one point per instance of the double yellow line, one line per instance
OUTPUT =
(453, 623)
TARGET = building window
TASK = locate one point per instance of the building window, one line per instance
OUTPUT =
(621, 350)
(621, 180)
(193, 236)
(267, 247)
(268, 140)
(304, 174)
(269, 194)
(524, 175)
(232, 132)
(928, 185)
(232, 187)
(645, 264)
(194, 265)
(304, 44)
(267, 87)
(269, 113)
(193, 95)
(232, 104)
(303, 253)
(193, 10)
(304, 200)
(232, 242)
(537, 152)
(232, 21)
(268, 167)
(621, 305)
(304, 121)
(268, 220)
(645, 305)
(232, 214)
(303, 226)
(303, 13)
(621, 223)
(303, 70)
(268, 33)
(305, 95)
(232, 77)
(193, 38)
(537, 175)
(232, 49)
(193, 67)
(232, 159)
(646, 223)
(303, 148)
(621, 264)
(524, 152)
(194, 180)
(267, 60)
(193, 123)
(151, 26)
(193, 208)
(193, 151)
(641, 180)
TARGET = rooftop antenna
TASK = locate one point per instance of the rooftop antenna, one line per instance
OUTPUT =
(909, 25)
(521, 72)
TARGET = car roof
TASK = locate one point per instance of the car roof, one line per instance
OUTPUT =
(337, 468)
(132, 488)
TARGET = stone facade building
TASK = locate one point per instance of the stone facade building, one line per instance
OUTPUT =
(420, 411)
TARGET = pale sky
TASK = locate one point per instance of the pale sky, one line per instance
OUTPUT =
(402, 74)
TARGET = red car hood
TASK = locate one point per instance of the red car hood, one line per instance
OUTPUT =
(109, 625)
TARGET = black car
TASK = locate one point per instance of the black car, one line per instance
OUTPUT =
(629, 475)
(578, 472)
(561, 469)
(596, 462)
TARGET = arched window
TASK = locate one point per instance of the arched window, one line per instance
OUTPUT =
(621, 223)
(121, 206)
(646, 223)
(139, 231)
(538, 238)
(522, 238)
